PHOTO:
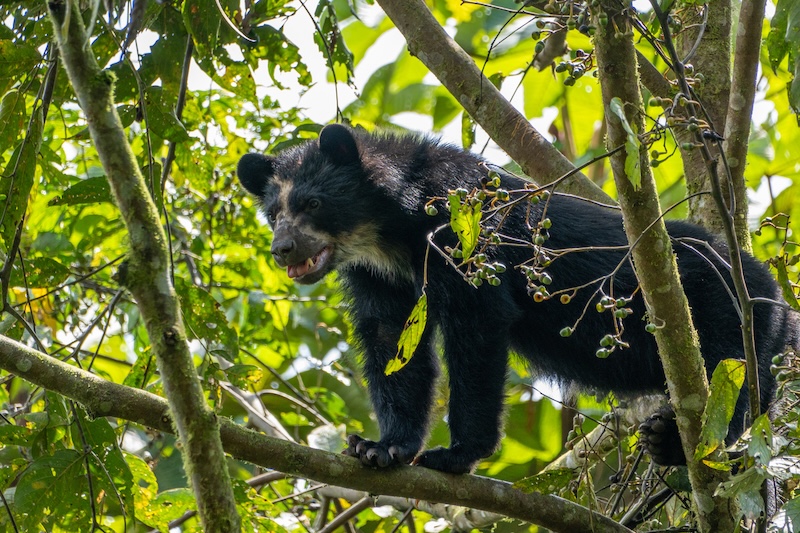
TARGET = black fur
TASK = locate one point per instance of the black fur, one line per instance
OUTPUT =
(368, 194)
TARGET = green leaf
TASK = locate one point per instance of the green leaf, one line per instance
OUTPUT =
(161, 116)
(40, 272)
(12, 118)
(12, 435)
(465, 219)
(244, 376)
(726, 382)
(89, 191)
(760, 439)
(167, 506)
(632, 144)
(786, 286)
(52, 486)
(205, 320)
(776, 43)
(783, 39)
(16, 58)
(792, 510)
(202, 21)
(746, 488)
(467, 131)
(17, 179)
(546, 482)
(411, 336)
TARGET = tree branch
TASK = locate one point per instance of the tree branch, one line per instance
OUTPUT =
(656, 267)
(740, 106)
(145, 275)
(538, 158)
(104, 398)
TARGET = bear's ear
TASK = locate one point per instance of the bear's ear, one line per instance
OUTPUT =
(338, 144)
(255, 171)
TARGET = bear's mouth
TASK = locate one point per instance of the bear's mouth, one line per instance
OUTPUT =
(310, 266)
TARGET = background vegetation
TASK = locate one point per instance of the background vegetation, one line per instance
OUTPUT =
(198, 83)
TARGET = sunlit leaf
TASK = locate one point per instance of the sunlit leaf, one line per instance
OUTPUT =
(39, 272)
(205, 320)
(88, 191)
(465, 220)
(17, 178)
(411, 336)
(12, 118)
(547, 482)
(726, 382)
(632, 144)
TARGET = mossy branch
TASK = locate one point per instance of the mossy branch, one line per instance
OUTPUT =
(458, 72)
(146, 274)
(104, 398)
(657, 269)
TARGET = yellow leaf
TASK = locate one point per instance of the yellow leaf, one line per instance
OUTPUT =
(410, 337)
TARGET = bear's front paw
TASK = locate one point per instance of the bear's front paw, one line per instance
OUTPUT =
(452, 460)
(379, 454)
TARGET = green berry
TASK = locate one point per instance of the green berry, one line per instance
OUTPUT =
(431, 210)
(602, 353)
(650, 328)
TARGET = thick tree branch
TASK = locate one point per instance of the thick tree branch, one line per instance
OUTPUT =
(104, 398)
(740, 106)
(146, 275)
(538, 158)
(657, 270)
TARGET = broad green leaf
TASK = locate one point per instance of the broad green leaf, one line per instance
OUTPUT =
(39, 272)
(167, 506)
(201, 18)
(465, 220)
(745, 487)
(17, 179)
(792, 510)
(88, 191)
(786, 286)
(144, 481)
(244, 376)
(11, 435)
(52, 486)
(726, 382)
(12, 118)
(467, 131)
(205, 320)
(783, 39)
(411, 336)
(16, 57)
(632, 144)
(547, 481)
(760, 440)
(161, 116)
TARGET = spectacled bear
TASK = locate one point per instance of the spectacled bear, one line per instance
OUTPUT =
(360, 204)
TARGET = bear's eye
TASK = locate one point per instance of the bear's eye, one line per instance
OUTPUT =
(314, 203)
(271, 216)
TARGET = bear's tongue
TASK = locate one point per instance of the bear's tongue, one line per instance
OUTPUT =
(300, 269)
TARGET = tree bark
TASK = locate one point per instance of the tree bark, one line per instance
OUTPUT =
(146, 275)
(656, 268)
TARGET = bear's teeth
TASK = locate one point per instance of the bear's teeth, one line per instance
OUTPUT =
(310, 262)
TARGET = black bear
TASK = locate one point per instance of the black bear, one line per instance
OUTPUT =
(367, 204)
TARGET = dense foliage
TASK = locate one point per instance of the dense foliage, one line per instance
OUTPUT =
(273, 355)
